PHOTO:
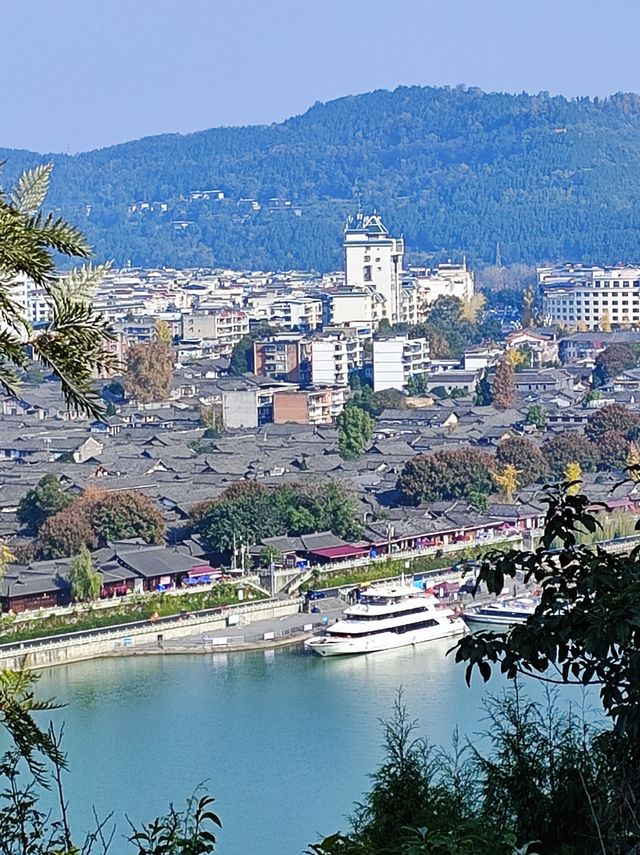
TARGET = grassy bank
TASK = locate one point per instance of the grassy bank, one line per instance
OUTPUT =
(396, 567)
(140, 609)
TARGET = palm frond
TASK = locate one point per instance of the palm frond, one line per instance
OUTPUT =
(81, 283)
(58, 233)
(32, 187)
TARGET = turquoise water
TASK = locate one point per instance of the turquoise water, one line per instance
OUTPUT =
(284, 740)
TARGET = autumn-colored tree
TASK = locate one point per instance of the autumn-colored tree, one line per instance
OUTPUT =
(567, 447)
(446, 474)
(614, 450)
(163, 332)
(507, 481)
(64, 534)
(472, 308)
(96, 518)
(605, 321)
(573, 474)
(149, 371)
(614, 417)
(633, 462)
(525, 456)
(504, 387)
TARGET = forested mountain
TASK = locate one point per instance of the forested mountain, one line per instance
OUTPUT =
(454, 170)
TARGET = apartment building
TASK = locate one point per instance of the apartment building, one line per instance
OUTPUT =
(591, 298)
(316, 406)
(302, 313)
(396, 358)
(373, 261)
(283, 357)
(226, 327)
(422, 286)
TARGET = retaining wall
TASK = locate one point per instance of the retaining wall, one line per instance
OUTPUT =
(108, 642)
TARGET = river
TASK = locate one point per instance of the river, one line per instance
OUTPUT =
(283, 739)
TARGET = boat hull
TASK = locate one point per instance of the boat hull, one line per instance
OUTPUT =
(325, 646)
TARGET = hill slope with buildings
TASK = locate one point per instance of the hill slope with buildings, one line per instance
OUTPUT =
(454, 170)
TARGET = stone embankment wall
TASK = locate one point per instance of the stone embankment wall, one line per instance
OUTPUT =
(44, 653)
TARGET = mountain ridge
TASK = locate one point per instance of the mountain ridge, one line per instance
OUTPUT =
(456, 170)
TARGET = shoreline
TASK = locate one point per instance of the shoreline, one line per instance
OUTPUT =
(199, 650)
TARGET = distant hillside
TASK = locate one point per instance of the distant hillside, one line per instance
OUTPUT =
(455, 170)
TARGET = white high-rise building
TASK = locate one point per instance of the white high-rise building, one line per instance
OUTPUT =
(373, 262)
(396, 359)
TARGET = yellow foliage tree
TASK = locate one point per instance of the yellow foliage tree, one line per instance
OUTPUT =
(633, 462)
(573, 474)
(515, 356)
(507, 481)
(605, 321)
(472, 308)
(163, 332)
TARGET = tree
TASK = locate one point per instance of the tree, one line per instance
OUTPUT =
(41, 502)
(355, 429)
(242, 353)
(65, 534)
(73, 345)
(573, 477)
(613, 360)
(536, 416)
(605, 321)
(270, 555)
(417, 385)
(483, 396)
(446, 474)
(95, 519)
(124, 515)
(567, 447)
(149, 371)
(504, 387)
(633, 462)
(525, 456)
(585, 630)
(614, 450)
(84, 579)
(507, 481)
(163, 332)
(611, 417)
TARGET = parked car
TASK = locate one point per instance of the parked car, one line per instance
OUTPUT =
(315, 595)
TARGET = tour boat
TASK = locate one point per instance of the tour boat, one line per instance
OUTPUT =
(387, 617)
(503, 611)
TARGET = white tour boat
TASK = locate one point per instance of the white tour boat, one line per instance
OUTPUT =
(503, 612)
(386, 617)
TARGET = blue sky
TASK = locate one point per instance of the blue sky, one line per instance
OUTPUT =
(89, 73)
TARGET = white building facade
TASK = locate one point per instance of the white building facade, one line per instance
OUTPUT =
(591, 298)
(396, 359)
(373, 261)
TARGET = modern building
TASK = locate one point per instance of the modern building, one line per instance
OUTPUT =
(373, 261)
(316, 406)
(396, 359)
(589, 298)
(226, 327)
(283, 357)
(424, 285)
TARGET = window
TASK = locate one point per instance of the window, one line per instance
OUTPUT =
(366, 272)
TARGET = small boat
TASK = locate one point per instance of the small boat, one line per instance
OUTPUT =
(386, 617)
(503, 612)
